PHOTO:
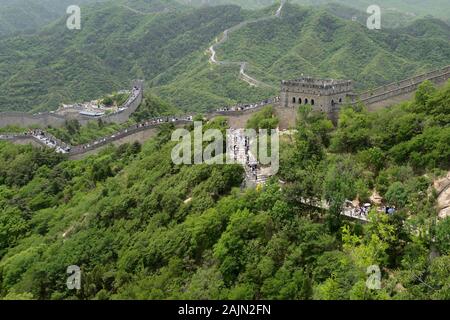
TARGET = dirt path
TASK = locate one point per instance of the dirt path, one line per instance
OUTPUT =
(243, 64)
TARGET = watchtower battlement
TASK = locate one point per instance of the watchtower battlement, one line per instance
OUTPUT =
(322, 94)
(317, 86)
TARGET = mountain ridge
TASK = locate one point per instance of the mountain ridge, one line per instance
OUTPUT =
(350, 51)
(169, 50)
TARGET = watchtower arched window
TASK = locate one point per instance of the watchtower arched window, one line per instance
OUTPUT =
(306, 101)
(293, 100)
(340, 100)
(299, 100)
(312, 102)
(332, 102)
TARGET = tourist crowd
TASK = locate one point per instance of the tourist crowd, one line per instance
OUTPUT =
(242, 107)
(129, 130)
(48, 140)
(240, 151)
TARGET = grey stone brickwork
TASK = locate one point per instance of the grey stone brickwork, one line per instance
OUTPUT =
(322, 94)
(329, 95)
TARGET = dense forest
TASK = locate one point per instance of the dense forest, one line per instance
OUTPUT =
(28, 16)
(166, 44)
(141, 227)
(58, 65)
(309, 41)
(75, 134)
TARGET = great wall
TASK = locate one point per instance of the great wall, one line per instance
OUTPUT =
(323, 95)
(242, 64)
(329, 95)
(237, 116)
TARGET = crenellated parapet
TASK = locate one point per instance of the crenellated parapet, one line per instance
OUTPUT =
(317, 86)
(402, 87)
(322, 94)
(328, 95)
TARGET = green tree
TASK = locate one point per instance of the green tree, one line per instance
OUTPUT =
(73, 126)
(423, 94)
(397, 195)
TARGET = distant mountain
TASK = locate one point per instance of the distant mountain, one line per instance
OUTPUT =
(28, 15)
(413, 8)
(168, 48)
(311, 42)
(150, 6)
(114, 46)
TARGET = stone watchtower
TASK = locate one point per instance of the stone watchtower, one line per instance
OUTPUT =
(324, 95)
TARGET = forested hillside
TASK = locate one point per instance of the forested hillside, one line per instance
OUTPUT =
(311, 42)
(114, 46)
(167, 48)
(315, 42)
(412, 8)
(141, 227)
(18, 16)
(28, 15)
